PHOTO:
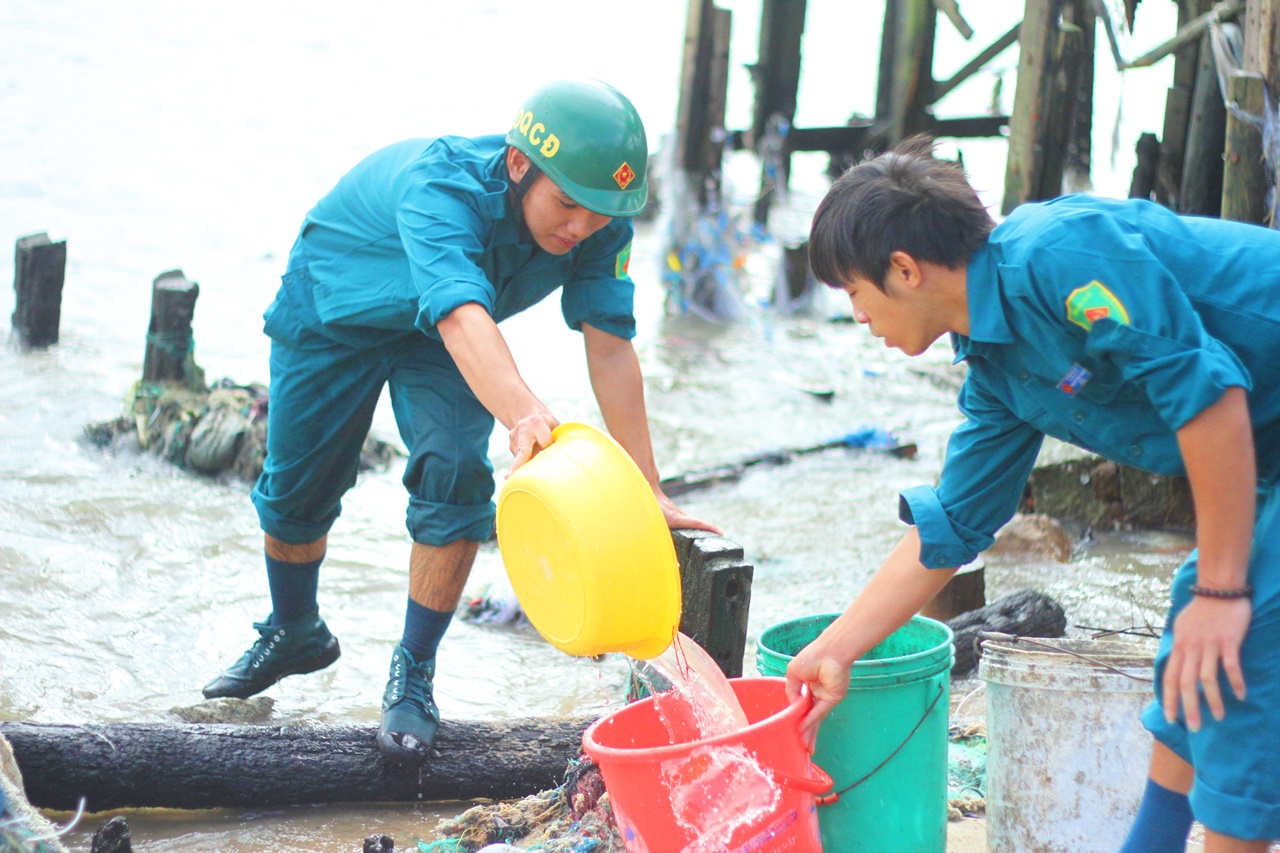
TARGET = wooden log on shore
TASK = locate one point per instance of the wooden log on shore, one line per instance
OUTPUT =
(185, 766)
(39, 271)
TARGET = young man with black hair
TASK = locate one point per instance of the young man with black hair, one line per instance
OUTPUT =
(1149, 338)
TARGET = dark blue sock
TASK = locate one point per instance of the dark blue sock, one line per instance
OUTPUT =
(423, 630)
(1162, 824)
(293, 589)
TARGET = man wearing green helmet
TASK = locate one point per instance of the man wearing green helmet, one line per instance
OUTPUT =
(398, 278)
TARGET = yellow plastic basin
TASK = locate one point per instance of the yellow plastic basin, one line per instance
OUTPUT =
(587, 549)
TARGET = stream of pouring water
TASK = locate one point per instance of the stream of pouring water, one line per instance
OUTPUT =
(718, 787)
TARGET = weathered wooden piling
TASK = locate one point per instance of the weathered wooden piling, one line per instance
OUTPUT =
(700, 132)
(170, 345)
(1244, 180)
(777, 78)
(39, 272)
(1051, 108)
(906, 93)
(716, 585)
(1147, 151)
(1201, 192)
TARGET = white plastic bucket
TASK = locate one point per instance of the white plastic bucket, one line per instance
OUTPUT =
(1067, 756)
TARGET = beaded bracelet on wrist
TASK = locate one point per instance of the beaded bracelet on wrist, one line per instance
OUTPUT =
(1209, 592)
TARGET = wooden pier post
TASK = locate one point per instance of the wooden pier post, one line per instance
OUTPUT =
(1050, 78)
(1143, 184)
(716, 586)
(700, 131)
(169, 342)
(1201, 192)
(1177, 110)
(915, 25)
(40, 268)
(777, 79)
(1244, 179)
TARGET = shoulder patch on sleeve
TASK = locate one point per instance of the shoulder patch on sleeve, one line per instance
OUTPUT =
(1090, 303)
(622, 265)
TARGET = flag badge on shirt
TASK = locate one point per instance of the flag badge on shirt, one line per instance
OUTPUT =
(1074, 380)
(623, 264)
(1086, 305)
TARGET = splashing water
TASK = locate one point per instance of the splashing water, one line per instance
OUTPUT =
(692, 695)
(720, 787)
(715, 791)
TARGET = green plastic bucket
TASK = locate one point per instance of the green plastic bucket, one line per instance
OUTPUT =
(885, 744)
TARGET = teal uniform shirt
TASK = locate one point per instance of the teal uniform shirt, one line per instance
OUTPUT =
(424, 225)
(409, 234)
(1109, 325)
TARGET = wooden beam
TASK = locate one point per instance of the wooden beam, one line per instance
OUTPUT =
(777, 69)
(1188, 33)
(855, 137)
(997, 47)
(721, 32)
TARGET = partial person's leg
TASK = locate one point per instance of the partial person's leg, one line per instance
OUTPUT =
(450, 483)
(321, 406)
(1215, 843)
(410, 717)
(1235, 793)
(1164, 816)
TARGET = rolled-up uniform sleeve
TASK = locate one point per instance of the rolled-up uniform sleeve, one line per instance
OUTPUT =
(601, 293)
(443, 228)
(989, 458)
(1158, 340)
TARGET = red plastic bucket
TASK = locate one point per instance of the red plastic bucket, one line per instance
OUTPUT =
(750, 791)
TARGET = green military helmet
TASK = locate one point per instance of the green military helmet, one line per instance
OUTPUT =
(588, 138)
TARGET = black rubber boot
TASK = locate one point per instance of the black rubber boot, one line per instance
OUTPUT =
(409, 714)
(304, 645)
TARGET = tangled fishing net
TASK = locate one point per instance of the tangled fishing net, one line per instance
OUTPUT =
(209, 430)
(573, 818)
(22, 828)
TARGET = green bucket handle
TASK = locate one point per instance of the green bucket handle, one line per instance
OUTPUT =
(835, 795)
